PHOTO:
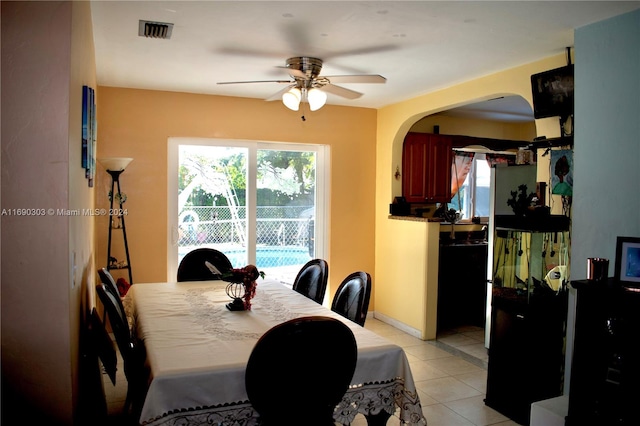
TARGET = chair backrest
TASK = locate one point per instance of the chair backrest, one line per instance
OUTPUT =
(299, 371)
(352, 297)
(118, 320)
(107, 279)
(102, 345)
(193, 267)
(311, 281)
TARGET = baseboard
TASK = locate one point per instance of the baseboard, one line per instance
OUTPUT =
(397, 324)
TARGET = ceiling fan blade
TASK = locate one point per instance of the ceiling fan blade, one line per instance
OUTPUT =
(278, 95)
(368, 78)
(340, 91)
(295, 73)
(254, 81)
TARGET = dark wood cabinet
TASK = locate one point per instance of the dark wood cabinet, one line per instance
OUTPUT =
(462, 285)
(605, 369)
(426, 165)
(526, 351)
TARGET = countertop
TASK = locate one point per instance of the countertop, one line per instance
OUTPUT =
(416, 218)
(463, 243)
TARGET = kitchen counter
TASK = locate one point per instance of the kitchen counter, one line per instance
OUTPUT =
(462, 243)
(416, 218)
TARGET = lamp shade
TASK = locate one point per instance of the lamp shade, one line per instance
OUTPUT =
(291, 99)
(316, 99)
(115, 163)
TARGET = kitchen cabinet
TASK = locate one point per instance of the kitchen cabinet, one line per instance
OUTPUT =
(426, 165)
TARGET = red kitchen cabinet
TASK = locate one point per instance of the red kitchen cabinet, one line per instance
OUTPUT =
(426, 165)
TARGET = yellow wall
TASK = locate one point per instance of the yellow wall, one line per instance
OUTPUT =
(476, 128)
(138, 123)
(393, 123)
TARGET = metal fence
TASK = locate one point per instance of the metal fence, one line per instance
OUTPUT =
(280, 231)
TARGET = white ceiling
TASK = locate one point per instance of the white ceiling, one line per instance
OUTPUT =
(419, 46)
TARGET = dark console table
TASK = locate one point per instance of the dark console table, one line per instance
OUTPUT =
(605, 372)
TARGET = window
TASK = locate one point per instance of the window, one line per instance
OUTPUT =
(472, 200)
(257, 202)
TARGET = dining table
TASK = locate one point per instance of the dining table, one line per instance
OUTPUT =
(197, 352)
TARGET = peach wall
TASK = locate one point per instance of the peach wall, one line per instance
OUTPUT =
(393, 123)
(138, 123)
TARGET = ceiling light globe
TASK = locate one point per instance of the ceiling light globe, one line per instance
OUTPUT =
(291, 99)
(316, 98)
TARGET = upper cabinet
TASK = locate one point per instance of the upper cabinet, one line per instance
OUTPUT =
(426, 165)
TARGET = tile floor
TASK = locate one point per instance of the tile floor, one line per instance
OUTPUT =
(450, 374)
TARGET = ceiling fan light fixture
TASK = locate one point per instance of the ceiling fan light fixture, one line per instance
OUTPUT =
(316, 98)
(291, 99)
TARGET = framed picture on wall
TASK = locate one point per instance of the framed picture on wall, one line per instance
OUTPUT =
(562, 168)
(627, 269)
(86, 127)
(89, 133)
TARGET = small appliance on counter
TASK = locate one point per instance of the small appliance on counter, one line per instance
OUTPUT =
(400, 207)
(422, 210)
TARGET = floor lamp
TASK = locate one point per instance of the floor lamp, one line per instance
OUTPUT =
(115, 166)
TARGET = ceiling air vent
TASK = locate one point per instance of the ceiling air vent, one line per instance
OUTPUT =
(155, 29)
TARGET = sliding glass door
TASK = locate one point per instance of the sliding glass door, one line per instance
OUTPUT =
(256, 202)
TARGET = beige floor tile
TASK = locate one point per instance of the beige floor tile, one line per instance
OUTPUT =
(360, 420)
(426, 399)
(476, 379)
(405, 340)
(422, 371)
(447, 389)
(476, 335)
(477, 350)
(505, 423)
(381, 328)
(426, 351)
(474, 410)
(453, 365)
(457, 340)
(440, 415)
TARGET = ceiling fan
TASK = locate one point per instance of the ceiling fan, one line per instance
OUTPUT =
(309, 86)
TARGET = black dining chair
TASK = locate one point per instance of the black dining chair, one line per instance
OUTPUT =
(193, 266)
(110, 284)
(294, 375)
(352, 297)
(107, 279)
(311, 280)
(133, 356)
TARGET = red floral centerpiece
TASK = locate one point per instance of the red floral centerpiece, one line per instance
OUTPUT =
(242, 286)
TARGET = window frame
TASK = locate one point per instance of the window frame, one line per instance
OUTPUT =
(323, 167)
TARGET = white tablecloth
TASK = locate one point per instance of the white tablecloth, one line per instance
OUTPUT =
(197, 351)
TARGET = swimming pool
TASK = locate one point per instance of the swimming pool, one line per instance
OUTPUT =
(266, 256)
